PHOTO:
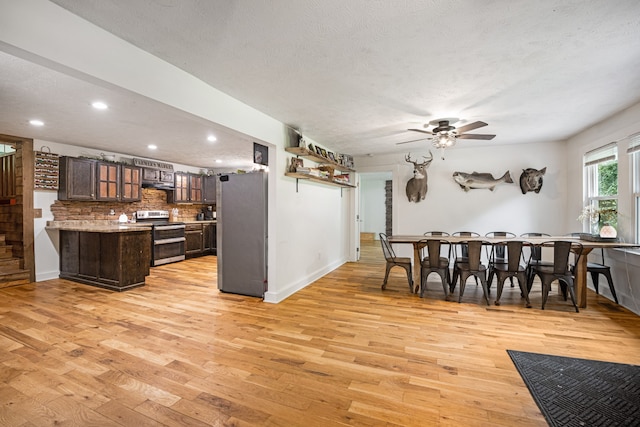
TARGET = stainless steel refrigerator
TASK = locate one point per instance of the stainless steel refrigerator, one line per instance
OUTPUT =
(241, 208)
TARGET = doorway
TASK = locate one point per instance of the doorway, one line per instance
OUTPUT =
(376, 205)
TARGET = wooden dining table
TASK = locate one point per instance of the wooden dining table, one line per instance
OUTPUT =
(581, 266)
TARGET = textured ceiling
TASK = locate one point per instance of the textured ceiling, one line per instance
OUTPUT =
(354, 75)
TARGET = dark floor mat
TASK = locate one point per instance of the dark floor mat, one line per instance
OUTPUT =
(580, 392)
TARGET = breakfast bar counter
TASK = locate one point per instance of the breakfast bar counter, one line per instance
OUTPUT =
(111, 256)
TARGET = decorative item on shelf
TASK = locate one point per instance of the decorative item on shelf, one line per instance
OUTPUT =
(295, 164)
(328, 169)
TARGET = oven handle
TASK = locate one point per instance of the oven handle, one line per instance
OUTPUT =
(167, 241)
(169, 227)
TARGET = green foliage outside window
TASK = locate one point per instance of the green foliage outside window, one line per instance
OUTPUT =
(608, 186)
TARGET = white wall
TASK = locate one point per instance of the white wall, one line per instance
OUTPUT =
(448, 207)
(625, 265)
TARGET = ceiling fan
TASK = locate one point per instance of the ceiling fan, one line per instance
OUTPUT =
(443, 135)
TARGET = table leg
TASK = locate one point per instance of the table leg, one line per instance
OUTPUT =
(581, 279)
(416, 267)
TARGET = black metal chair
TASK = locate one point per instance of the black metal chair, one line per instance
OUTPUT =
(560, 270)
(433, 262)
(596, 269)
(463, 256)
(471, 267)
(436, 233)
(393, 260)
(497, 255)
(512, 254)
(535, 254)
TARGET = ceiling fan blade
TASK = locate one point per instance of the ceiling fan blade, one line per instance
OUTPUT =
(423, 131)
(475, 136)
(470, 126)
(413, 140)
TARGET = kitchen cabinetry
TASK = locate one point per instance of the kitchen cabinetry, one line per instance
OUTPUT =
(77, 179)
(321, 161)
(194, 235)
(195, 188)
(188, 188)
(88, 179)
(131, 178)
(209, 189)
(183, 189)
(210, 238)
(108, 180)
(112, 260)
(201, 239)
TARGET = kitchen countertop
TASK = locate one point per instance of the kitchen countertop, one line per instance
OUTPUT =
(98, 226)
(195, 221)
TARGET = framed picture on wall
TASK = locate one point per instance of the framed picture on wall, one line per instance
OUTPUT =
(260, 154)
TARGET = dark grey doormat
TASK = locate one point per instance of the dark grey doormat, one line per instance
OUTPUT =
(579, 392)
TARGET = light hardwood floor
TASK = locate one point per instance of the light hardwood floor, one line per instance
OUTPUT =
(340, 352)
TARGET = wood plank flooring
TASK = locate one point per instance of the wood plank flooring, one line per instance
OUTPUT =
(177, 352)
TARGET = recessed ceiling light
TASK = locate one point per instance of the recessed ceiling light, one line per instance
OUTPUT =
(152, 147)
(218, 161)
(99, 105)
(211, 138)
(36, 122)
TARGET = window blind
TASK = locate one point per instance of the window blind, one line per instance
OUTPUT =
(634, 143)
(604, 154)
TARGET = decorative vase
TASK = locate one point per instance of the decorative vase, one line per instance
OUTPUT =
(608, 231)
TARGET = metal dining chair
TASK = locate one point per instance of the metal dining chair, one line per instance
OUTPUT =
(560, 270)
(595, 269)
(497, 255)
(512, 267)
(471, 267)
(535, 253)
(463, 256)
(434, 262)
(393, 260)
(436, 233)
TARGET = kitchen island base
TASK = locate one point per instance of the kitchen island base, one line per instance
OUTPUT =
(113, 260)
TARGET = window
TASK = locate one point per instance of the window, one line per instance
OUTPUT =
(601, 185)
(634, 156)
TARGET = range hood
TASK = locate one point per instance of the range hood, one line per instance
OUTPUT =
(156, 174)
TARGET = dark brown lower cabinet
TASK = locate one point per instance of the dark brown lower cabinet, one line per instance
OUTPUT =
(112, 260)
(201, 239)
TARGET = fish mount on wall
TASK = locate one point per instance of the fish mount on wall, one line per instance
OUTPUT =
(475, 180)
(531, 180)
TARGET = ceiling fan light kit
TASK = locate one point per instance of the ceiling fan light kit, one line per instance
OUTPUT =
(443, 135)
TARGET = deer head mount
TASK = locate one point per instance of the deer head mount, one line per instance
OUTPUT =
(417, 186)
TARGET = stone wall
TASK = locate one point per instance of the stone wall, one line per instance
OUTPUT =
(152, 199)
(388, 203)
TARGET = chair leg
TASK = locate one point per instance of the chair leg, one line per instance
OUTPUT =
(500, 286)
(573, 296)
(410, 278)
(463, 282)
(386, 276)
(522, 282)
(423, 282)
(594, 278)
(444, 276)
(607, 274)
(485, 288)
(546, 287)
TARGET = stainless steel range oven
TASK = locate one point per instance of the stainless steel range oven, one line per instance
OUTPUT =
(167, 238)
